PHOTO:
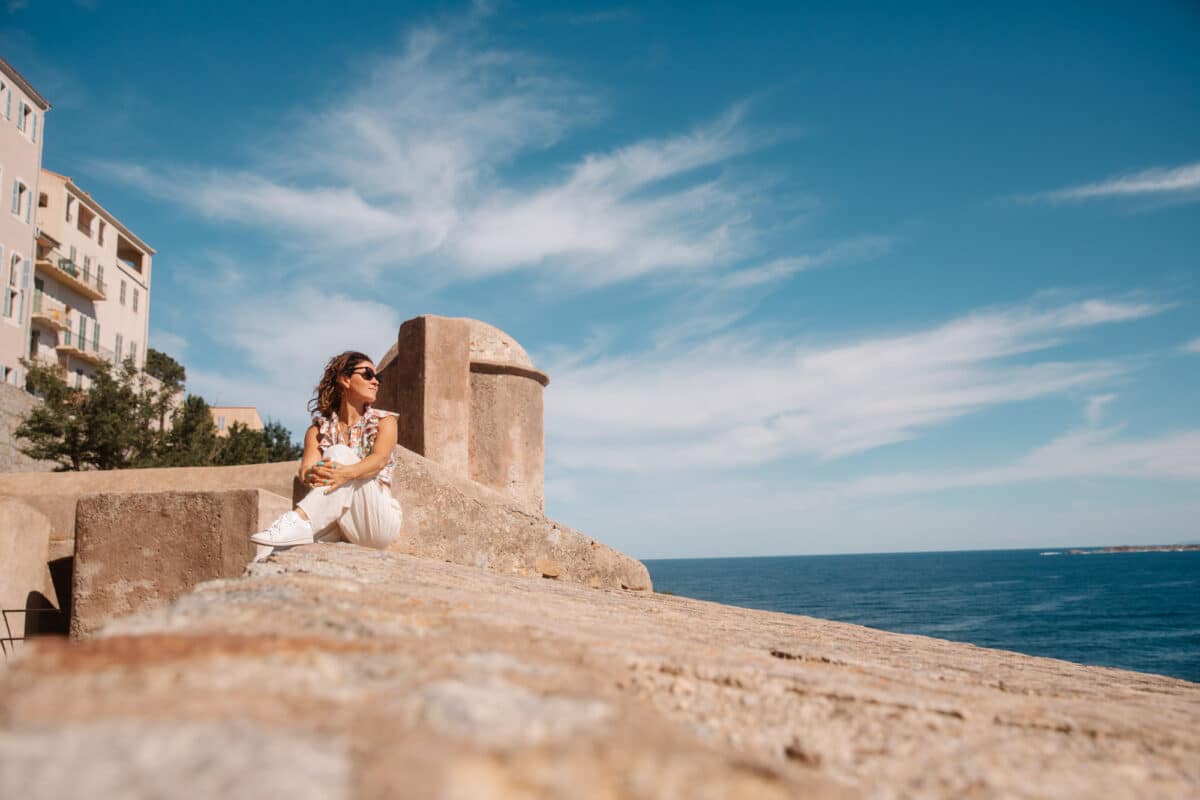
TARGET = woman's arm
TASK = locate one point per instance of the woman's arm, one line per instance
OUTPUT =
(312, 454)
(369, 467)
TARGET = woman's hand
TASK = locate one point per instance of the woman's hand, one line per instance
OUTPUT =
(331, 475)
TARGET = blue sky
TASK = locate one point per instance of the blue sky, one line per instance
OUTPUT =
(807, 279)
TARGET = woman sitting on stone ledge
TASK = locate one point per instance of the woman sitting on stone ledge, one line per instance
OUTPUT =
(347, 465)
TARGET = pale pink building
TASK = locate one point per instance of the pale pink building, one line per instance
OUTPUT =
(22, 128)
(225, 416)
(91, 300)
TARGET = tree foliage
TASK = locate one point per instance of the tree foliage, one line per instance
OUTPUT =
(121, 421)
(166, 369)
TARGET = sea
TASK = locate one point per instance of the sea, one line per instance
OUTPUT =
(1133, 610)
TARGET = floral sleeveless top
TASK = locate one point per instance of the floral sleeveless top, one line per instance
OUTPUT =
(361, 437)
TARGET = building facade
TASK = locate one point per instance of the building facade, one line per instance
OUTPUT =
(225, 416)
(22, 130)
(91, 297)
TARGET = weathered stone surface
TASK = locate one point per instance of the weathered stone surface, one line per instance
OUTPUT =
(24, 577)
(446, 516)
(468, 397)
(15, 404)
(390, 676)
(55, 494)
(139, 550)
(450, 518)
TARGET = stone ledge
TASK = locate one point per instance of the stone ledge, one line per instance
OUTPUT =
(380, 675)
(135, 551)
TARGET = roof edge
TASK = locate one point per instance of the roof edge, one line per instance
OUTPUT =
(104, 212)
(27, 87)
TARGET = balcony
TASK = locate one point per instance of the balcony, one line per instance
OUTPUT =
(68, 273)
(50, 312)
(79, 347)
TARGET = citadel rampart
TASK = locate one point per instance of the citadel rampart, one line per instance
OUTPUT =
(451, 667)
(123, 540)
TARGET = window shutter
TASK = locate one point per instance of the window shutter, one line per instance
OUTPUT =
(8, 104)
(117, 349)
(21, 117)
(24, 289)
(67, 333)
(8, 297)
(29, 207)
(16, 204)
(33, 132)
(96, 335)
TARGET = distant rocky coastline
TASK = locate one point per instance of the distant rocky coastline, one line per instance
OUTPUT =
(1127, 548)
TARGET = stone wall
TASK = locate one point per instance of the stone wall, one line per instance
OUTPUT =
(14, 404)
(336, 672)
(468, 397)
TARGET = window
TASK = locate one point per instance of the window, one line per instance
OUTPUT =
(20, 190)
(22, 116)
(78, 378)
(86, 219)
(135, 296)
(96, 335)
(100, 276)
(133, 352)
(70, 206)
(122, 293)
(7, 94)
(220, 423)
(25, 268)
(100, 232)
(10, 286)
(117, 349)
(87, 268)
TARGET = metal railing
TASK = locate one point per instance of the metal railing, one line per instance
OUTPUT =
(49, 308)
(83, 275)
(9, 641)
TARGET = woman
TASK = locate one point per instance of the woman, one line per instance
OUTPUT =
(347, 465)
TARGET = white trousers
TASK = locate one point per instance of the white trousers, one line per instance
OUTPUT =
(363, 512)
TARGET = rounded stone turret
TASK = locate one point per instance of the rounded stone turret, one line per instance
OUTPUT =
(468, 396)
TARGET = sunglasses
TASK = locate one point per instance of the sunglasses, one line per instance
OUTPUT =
(367, 373)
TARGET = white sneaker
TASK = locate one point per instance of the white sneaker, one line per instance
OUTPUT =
(289, 530)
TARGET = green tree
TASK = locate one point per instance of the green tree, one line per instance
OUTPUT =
(56, 429)
(171, 375)
(242, 446)
(166, 369)
(279, 443)
(110, 412)
(192, 439)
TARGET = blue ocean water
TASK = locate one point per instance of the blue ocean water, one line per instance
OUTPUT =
(1138, 611)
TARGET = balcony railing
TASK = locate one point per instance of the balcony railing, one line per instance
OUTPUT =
(83, 275)
(50, 311)
(73, 344)
(65, 270)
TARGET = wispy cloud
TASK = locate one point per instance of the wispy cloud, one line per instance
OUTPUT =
(1096, 406)
(1079, 454)
(284, 345)
(1156, 181)
(172, 344)
(736, 399)
(594, 18)
(1193, 346)
(416, 170)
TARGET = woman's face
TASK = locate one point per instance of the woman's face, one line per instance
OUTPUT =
(357, 386)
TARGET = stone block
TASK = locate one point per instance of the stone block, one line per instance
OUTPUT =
(468, 397)
(25, 584)
(455, 519)
(55, 495)
(140, 550)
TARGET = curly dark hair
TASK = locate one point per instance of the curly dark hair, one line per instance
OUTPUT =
(327, 396)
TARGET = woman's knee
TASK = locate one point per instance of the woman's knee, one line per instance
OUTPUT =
(340, 453)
